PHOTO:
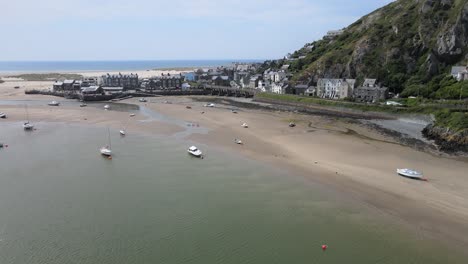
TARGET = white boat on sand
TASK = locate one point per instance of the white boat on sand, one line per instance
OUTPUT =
(411, 174)
(238, 141)
(107, 107)
(122, 132)
(194, 151)
(54, 103)
(244, 125)
(3, 115)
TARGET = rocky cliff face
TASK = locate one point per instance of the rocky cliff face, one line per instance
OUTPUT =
(405, 40)
(446, 139)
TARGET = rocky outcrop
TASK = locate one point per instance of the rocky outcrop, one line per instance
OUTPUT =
(452, 42)
(446, 139)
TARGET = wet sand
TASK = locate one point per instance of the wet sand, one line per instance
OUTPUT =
(354, 160)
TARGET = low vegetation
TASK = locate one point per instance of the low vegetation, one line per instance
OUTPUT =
(455, 120)
(409, 105)
(47, 76)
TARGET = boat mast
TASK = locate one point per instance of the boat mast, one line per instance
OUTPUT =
(27, 113)
(108, 134)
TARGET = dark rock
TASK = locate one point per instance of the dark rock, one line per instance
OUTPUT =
(452, 42)
(447, 140)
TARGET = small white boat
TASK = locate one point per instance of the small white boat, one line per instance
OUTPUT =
(107, 107)
(238, 141)
(292, 124)
(194, 151)
(107, 150)
(143, 100)
(83, 105)
(122, 132)
(234, 111)
(3, 115)
(209, 105)
(28, 126)
(411, 174)
(132, 115)
(244, 125)
(54, 103)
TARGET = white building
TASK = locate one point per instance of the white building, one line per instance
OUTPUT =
(335, 88)
(460, 73)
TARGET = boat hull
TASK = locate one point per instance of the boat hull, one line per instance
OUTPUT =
(28, 127)
(105, 152)
(410, 174)
(197, 154)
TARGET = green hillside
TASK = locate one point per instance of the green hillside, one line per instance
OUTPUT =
(408, 45)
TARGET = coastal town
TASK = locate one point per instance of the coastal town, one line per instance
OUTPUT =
(237, 77)
(219, 132)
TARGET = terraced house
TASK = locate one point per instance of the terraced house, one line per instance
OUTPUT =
(335, 88)
(127, 81)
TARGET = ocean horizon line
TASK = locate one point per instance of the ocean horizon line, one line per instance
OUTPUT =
(111, 65)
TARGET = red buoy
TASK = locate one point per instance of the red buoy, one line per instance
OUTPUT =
(324, 247)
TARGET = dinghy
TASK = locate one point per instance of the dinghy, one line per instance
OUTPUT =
(194, 151)
(107, 150)
(411, 174)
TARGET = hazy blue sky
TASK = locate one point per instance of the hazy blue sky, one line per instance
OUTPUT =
(168, 29)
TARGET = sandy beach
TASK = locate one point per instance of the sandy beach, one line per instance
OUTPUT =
(354, 160)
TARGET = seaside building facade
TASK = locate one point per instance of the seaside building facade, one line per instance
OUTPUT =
(127, 81)
(335, 88)
(165, 81)
(370, 92)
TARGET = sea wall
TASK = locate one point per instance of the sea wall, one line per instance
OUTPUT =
(447, 139)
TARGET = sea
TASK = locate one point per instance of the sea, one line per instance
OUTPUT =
(130, 65)
(62, 202)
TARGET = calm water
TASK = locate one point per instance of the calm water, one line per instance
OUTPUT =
(52, 66)
(60, 202)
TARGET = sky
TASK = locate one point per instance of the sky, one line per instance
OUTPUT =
(168, 29)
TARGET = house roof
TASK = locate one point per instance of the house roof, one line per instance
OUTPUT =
(301, 86)
(369, 82)
(68, 81)
(90, 89)
(458, 69)
(58, 83)
(323, 81)
(112, 88)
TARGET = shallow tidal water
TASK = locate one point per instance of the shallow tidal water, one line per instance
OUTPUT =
(61, 202)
